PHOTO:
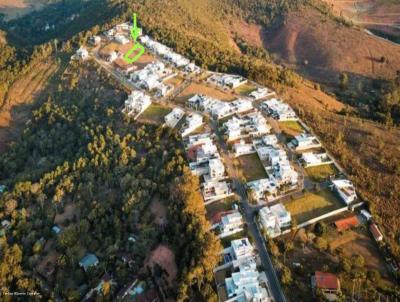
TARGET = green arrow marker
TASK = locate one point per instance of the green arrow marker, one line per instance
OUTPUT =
(135, 33)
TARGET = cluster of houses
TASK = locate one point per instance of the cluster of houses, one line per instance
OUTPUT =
(151, 78)
(165, 52)
(246, 282)
(217, 108)
(273, 219)
(281, 174)
(206, 162)
(252, 125)
(227, 81)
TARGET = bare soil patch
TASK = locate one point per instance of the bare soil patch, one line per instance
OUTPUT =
(163, 256)
(197, 88)
(159, 210)
(322, 48)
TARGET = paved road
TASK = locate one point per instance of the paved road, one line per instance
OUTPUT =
(249, 212)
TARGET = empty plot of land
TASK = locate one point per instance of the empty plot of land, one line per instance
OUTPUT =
(252, 167)
(164, 257)
(291, 128)
(154, 114)
(17, 8)
(321, 173)
(217, 207)
(313, 205)
(245, 89)
(196, 88)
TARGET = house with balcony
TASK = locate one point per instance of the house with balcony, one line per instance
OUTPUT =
(261, 93)
(311, 159)
(345, 189)
(136, 103)
(263, 190)
(216, 169)
(193, 121)
(279, 110)
(305, 141)
(243, 148)
(173, 118)
(230, 224)
(214, 190)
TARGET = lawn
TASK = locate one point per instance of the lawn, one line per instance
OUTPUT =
(252, 167)
(245, 89)
(175, 81)
(291, 128)
(154, 114)
(321, 173)
(313, 205)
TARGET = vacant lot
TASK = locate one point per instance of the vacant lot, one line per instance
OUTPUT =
(321, 173)
(291, 128)
(252, 167)
(154, 114)
(197, 88)
(17, 8)
(217, 207)
(245, 89)
(164, 257)
(313, 205)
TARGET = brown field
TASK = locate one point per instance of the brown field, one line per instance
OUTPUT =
(321, 48)
(196, 88)
(70, 211)
(252, 33)
(163, 256)
(372, 14)
(17, 8)
(15, 110)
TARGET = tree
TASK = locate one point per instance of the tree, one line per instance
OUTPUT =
(358, 261)
(286, 276)
(320, 228)
(344, 81)
(321, 243)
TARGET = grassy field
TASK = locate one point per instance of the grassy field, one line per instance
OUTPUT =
(245, 89)
(175, 81)
(312, 205)
(321, 173)
(291, 128)
(252, 167)
(154, 114)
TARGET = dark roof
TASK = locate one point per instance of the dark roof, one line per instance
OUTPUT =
(326, 281)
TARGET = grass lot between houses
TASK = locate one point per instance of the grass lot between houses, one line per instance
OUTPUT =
(219, 206)
(252, 168)
(245, 89)
(154, 114)
(313, 205)
(291, 128)
(321, 173)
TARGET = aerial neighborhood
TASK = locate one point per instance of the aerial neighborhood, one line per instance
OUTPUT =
(263, 173)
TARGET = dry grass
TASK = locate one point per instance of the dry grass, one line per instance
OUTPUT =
(18, 8)
(321, 173)
(196, 88)
(313, 205)
(154, 114)
(252, 167)
(291, 128)
(163, 256)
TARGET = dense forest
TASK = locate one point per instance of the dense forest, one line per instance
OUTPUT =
(81, 158)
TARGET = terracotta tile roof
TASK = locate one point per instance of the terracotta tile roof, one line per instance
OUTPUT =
(326, 281)
(375, 232)
(346, 223)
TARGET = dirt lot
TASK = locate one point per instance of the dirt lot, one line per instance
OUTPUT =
(154, 114)
(16, 109)
(159, 210)
(163, 256)
(322, 49)
(197, 88)
(17, 8)
(252, 167)
(70, 211)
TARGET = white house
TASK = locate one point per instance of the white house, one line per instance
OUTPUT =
(82, 53)
(269, 222)
(198, 139)
(279, 110)
(305, 141)
(121, 39)
(193, 121)
(173, 118)
(231, 223)
(345, 189)
(262, 188)
(284, 217)
(311, 159)
(241, 250)
(137, 103)
(242, 148)
(216, 169)
(227, 80)
(261, 93)
(245, 285)
(95, 40)
(112, 56)
(215, 190)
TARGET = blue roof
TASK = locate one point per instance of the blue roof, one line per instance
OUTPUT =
(88, 261)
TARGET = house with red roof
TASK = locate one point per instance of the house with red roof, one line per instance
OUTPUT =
(373, 228)
(326, 283)
(346, 223)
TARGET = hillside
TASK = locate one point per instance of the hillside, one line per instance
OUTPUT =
(381, 16)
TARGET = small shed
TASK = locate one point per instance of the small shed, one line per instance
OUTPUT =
(376, 232)
(88, 261)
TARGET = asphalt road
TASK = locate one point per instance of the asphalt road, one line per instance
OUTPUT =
(249, 212)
